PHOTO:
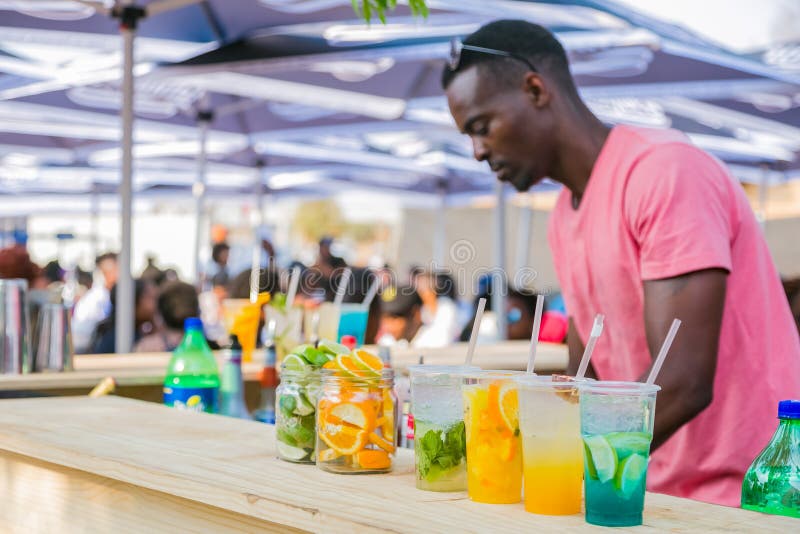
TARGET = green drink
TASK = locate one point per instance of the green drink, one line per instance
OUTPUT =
(192, 379)
(440, 441)
(617, 428)
(440, 455)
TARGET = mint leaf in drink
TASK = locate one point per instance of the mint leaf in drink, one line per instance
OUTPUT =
(455, 441)
(430, 446)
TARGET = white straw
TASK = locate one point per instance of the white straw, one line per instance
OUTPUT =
(662, 354)
(597, 329)
(371, 293)
(255, 272)
(294, 282)
(537, 326)
(340, 291)
(473, 338)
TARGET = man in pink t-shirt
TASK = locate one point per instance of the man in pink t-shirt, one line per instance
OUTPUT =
(647, 229)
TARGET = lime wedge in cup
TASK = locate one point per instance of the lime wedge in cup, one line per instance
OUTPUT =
(627, 443)
(601, 457)
(631, 471)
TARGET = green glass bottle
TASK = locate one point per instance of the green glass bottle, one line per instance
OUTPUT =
(772, 484)
(192, 381)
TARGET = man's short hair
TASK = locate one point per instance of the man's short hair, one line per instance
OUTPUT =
(177, 302)
(531, 41)
(217, 250)
(107, 256)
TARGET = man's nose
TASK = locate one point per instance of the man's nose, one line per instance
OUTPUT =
(479, 150)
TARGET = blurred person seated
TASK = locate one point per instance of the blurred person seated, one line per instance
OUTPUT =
(401, 315)
(326, 262)
(105, 335)
(151, 271)
(15, 262)
(220, 254)
(177, 302)
(95, 305)
(440, 325)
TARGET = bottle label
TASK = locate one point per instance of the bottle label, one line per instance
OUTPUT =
(192, 399)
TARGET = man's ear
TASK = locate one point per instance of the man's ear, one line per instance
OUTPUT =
(537, 89)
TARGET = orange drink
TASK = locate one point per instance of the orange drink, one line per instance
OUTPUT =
(549, 418)
(494, 454)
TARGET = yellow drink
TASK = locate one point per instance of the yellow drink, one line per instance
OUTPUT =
(549, 419)
(494, 455)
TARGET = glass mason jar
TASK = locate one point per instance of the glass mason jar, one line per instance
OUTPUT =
(295, 419)
(356, 423)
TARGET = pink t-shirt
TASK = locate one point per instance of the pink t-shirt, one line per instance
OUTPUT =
(657, 207)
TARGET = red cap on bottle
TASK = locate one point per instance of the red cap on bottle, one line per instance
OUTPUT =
(268, 378)
(349, 341)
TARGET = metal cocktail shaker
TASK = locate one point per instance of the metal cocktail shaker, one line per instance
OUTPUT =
(15, 343)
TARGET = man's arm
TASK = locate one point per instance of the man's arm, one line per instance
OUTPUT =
(576, 348)
(687, 377)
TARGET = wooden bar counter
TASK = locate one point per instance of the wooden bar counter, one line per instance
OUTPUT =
(75, 464)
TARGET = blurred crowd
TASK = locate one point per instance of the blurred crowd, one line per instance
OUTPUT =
(420, 308)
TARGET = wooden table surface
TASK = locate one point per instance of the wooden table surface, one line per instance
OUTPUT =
(148, 369)
(76, 464)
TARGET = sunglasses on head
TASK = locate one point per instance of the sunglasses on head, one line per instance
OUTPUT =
(457, 48)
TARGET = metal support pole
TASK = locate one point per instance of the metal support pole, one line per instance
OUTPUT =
(500, 276)
(440, 235)
(523, 237)
(125, 297)
(199, 189)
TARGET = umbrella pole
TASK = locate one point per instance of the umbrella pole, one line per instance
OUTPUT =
(125, 297)
(440, 237)
(199, 190)
(524, 237)
(500, 278)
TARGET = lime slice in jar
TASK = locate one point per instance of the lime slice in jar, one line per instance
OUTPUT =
(303, 407)
(630, 473)
(291, 453)
(601, 456)
(293, 362)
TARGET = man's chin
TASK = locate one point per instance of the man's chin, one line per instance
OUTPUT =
(522, 182)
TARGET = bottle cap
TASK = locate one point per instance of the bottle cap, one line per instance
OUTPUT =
(789, 409)
(193, 323)
(349, 341)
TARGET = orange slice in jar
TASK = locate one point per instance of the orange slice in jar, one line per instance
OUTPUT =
(348, 367)
(388, 414)
(358, 415)
(374, 459)
(328, 455)
(367, 361)
(343, 439)
(384, 444)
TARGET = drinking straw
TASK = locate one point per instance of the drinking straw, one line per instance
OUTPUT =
(371, 293)
(537, 326)
(294, 281)
(255, 272)
(340, 291)
(662, 354)
(597, 329)
(473, 338)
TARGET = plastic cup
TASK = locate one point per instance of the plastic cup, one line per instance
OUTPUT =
(617, 428)
(494, 466)
(552, 451)
(440, 440)
(353, 322)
